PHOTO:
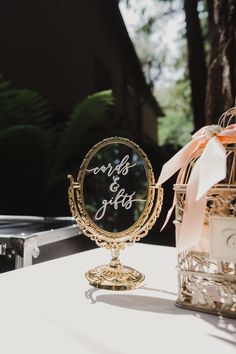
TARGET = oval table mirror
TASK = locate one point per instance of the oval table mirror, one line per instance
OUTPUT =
(115, 201)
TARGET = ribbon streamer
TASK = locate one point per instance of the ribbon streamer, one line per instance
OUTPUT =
(209, 169)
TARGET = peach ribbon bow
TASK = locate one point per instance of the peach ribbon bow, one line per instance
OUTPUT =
(208, 170)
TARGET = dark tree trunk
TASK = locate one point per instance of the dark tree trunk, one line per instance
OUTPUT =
(196, 61)
(220, 94)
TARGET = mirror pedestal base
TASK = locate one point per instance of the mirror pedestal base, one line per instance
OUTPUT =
(116, 277)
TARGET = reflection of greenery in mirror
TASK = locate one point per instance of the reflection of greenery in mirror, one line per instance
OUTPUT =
(115, 187)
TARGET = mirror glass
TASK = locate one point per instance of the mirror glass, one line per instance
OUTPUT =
(115, 187)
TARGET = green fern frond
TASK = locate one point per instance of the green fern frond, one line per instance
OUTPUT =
(87, 114)
(19, 107)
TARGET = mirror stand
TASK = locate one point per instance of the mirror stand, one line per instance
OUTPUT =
(115, 276)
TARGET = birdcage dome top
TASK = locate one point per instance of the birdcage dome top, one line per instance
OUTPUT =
(225, 133)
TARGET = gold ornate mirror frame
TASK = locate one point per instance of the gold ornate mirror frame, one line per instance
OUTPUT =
(115, 276)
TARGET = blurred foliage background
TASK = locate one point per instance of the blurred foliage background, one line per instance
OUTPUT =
(70, 76)
(157, 29)
(34, 153)
(187, 51)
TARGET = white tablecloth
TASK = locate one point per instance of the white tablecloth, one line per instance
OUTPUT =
(50, 308)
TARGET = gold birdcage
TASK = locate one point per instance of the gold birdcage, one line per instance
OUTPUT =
(207, 270)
